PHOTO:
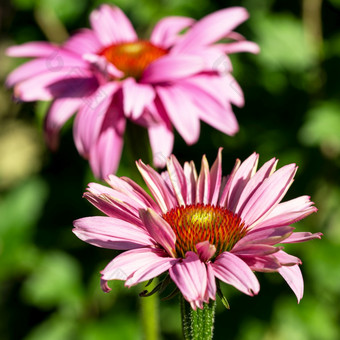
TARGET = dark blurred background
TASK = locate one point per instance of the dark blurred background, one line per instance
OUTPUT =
(49, 280)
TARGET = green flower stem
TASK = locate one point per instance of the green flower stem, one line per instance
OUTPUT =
(149, 309)
(198, 324)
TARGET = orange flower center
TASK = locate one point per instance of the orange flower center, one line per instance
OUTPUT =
(133, 58)
(197, 223)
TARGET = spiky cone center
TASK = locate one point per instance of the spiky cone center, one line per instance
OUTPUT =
(133, 58)
(196, 223)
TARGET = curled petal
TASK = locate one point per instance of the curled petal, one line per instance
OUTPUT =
(293, 277)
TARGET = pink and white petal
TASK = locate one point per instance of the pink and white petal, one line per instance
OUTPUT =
(264, 264)
(59, 112)
(212, 28)
(136, 97)
(171, 68)
(159, 190)
(178, 180)
(82, 42)
(181, 111)
(289, 212)
(191, 180)
(161, 139)
(126, 264)
(205, 250)
(190, 276)
(255, 181)
(234, 271)
(203, 183)
(267, 235)
(106, 152)
(302, 237)
(254, 250)
(287, 259)
(215, 178)
(240, 46)
(211, 287)
(111, 25)
(268, 194)
(293, 277)
(89, 119)
(159, 230)
(111, 233)
(36, 49)
(166, 32)
(240, 179)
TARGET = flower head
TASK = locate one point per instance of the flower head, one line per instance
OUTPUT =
(107, 75)
(199, 227)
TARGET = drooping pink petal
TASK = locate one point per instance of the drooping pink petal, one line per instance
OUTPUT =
(205, 250)
(166, 32)
(301, 237)
(287, 259)
(178, 180)
(161, 141)
(212, 28)
(268, 194)
(89, 120)
(203, 183)
(289, 212)
(156, 185)
(82, 42)
(254, 250)
(126, 264)
(159, 230)
(136, 97)
(171, 68)
(190, 276)
(111, 233)
(240, 46)
(111, 25)
(33, 49)
(59, 112)
(264, 264)
(211, 287)
(294, 278)
(181, 112)
(232, 270)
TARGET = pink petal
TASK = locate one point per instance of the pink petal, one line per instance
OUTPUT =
(111, 233)
(59, 112)
(205, 250)
(106, 152)
(100, 63)
(191, 180)
(287, 259)
(181, 112)
(203, 183)
(294, 278)
(89, 119)
(126, 264)
(289, 212)
(240, 46)
(264, 172)
(136, 97)
(82, 42)
(211, 288)
(254, 250)
(166, 31)
(215, 178)
(269, 193)
(161, 141)
(301, 237)
(171, 68)
(111, 25)
(158, 188)
(232, 270)
(34, 49)
(159, 230)
(178, 180)
(190, 276)
(212, 28)
(264, 264)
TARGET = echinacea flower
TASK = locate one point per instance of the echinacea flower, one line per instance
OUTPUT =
(199, 228)
(107, 74)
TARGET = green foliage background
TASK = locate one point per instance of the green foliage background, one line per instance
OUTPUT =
(49, 280)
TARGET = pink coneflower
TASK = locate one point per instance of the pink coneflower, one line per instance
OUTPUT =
(199, 228)
(108, 74)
